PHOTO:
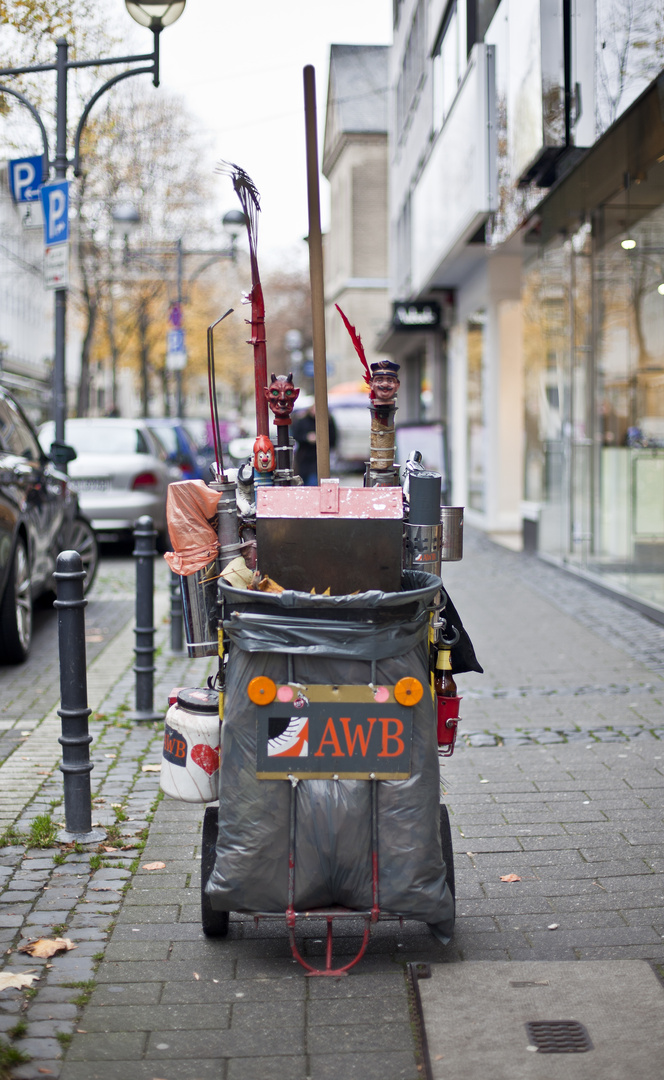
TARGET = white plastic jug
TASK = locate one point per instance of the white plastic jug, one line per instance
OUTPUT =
(190, 759)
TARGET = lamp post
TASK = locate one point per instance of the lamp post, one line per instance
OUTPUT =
(127, 217)
(154, 14)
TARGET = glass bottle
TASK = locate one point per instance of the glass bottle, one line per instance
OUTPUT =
(444, 684)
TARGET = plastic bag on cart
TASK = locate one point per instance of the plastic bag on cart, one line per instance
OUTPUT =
(190, 504)
(333, 839)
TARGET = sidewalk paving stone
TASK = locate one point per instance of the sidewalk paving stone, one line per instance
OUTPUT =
(581, 826)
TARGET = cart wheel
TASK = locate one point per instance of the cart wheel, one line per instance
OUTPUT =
(446, 844)
(215, 923)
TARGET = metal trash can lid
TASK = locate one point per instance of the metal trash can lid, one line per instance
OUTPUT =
(199, 699)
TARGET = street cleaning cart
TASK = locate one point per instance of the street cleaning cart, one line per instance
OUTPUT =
(337, 645)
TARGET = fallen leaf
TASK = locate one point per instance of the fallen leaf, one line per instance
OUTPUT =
(154, 866)
(45, 947)
(151, 768)
(105, 848)
(16, 979)
(511, 877)
(110, 755)
(46, 1072)
(197, 976)
(81, 1031)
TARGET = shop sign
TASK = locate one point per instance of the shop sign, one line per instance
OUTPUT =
(420, 315)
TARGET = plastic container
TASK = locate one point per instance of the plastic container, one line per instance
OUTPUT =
(190, 759)
(199, 608)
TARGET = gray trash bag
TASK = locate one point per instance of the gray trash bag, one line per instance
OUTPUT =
(333, 831)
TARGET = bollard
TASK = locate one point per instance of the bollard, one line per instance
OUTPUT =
(176, 613)
(144, 553)
(74, 712)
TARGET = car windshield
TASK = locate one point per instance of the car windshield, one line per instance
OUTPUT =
(167, 436)
(99, 439)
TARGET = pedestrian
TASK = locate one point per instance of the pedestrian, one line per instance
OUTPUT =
(304, 433)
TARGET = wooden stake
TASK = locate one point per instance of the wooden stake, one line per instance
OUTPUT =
(316, 277)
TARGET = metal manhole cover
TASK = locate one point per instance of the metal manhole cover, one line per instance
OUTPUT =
(558, 1036)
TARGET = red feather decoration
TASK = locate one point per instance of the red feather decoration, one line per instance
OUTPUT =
(359, 347)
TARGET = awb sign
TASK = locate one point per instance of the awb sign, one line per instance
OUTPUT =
(333, 739)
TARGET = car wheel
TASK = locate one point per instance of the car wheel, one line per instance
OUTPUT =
(83, 540)
(16, 609)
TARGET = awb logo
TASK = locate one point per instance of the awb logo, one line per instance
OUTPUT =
(175, 747)
(333, 740)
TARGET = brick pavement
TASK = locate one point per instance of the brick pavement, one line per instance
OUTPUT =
(558, 780)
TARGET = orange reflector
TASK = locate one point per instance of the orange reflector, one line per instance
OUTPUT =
(408, 691)
(262, 690)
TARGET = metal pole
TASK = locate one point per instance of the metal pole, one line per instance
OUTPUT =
(176, 614)
(59, 373)
(178, 374)
(144, 553)
(316, 277)
(74, 712)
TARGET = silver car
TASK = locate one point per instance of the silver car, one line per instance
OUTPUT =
(120, 473)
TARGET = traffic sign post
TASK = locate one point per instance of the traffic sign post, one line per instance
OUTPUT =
(55, 204)
(25, 179)
(56, 266)
(176, 352)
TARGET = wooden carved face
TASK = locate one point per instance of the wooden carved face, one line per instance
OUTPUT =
(263, 454)
(385, 386)
(281, 396)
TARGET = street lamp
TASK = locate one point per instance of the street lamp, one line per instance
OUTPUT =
(126, 217)
(155, 14)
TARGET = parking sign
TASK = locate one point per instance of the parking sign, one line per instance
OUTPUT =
(25, 178)
(55, 203)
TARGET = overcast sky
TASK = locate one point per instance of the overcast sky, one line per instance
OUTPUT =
(239, 68)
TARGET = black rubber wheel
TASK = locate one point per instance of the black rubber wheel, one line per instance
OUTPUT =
(215, 923)
(84, 541)
(446, 845)
(16, 609)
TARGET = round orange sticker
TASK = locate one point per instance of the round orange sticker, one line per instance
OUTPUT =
(261, 690)
(408, 691)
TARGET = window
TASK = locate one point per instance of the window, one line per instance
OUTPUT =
(15, 435)
(449, 61)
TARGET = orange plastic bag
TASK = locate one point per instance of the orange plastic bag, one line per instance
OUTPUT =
(190, 504)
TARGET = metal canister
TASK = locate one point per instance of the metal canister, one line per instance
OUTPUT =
(199, 609)
(190, 758)
(451, 518)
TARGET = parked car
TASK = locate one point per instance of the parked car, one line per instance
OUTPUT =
(121, 472)
(180, 446)
(201, 432)
(39, 518)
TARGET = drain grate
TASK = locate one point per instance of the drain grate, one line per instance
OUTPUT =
(558, 1036)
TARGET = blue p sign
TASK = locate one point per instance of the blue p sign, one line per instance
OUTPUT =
(25, 177)
(55, 202)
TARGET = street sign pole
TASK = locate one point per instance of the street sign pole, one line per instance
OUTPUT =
(59, 376)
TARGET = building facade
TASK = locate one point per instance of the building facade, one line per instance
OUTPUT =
(526, 145)
(355, 164)
(26, 310)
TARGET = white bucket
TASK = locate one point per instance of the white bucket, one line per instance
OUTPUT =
(190, 759)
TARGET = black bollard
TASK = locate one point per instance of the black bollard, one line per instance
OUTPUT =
(176, 613)
(74, 712)
(144, 553)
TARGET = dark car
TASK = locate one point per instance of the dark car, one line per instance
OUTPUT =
(39, 517)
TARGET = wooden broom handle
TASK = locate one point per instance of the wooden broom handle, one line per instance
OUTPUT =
(316, 277)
